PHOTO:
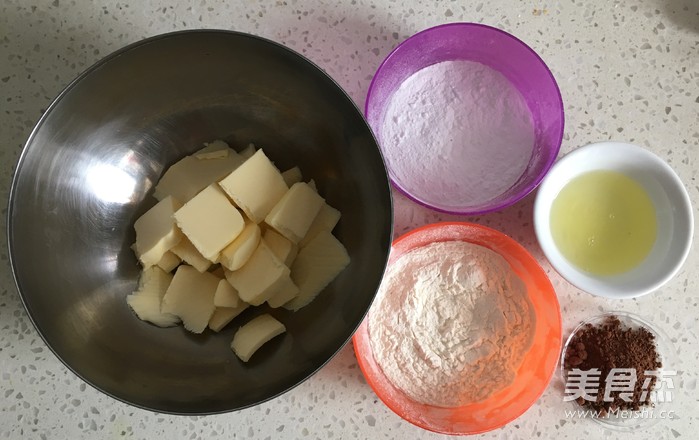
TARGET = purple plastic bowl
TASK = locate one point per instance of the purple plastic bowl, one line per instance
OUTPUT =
(500, 51)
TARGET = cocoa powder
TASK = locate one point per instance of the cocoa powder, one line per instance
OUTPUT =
(610, 345)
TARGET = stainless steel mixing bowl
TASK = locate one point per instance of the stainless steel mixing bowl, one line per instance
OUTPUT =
(87, 171)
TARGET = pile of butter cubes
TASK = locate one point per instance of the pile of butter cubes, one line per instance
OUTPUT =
(237, 233)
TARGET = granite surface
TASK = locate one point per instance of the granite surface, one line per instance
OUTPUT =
(628, 70)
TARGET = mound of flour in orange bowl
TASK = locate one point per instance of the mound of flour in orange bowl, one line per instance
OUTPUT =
(451, 324)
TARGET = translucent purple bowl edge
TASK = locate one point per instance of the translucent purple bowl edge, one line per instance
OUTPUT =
(519, 195)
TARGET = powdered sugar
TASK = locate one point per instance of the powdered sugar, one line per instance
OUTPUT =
(456, 134)
(451, 323)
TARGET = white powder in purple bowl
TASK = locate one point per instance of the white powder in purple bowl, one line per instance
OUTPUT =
(457, 134)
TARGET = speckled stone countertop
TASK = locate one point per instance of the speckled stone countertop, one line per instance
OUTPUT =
(628, 70)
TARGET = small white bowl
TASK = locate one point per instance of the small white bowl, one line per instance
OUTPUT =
(675, 222)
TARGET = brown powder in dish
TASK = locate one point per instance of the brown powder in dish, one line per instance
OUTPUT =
(610, 345)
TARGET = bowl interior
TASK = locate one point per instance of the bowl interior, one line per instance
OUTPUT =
(675, 224)
(503, 53)
(537, 367)
(87, 172)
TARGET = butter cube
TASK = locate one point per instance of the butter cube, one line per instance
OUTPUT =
(287, 291)
(293, 214)
(291, 176)
(169, 261)
(315, 267)
(223, 315)
(255, 186)
(260, 277)
(156, 232)
(250, 337)
(284, 249)
(147, 308)
(189, 176)
(214, 150)
(210, 221)
(191, 297)
(153, 282)
(187, 252)
(226, 295)
(236, 254)
(146, 300)
(326, 220)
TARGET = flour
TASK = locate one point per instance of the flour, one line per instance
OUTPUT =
(457, 133)
(451, 323)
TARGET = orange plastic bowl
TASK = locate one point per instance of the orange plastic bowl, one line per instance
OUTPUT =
(537, 367)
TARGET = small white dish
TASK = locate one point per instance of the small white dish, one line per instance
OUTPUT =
(674, 215)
